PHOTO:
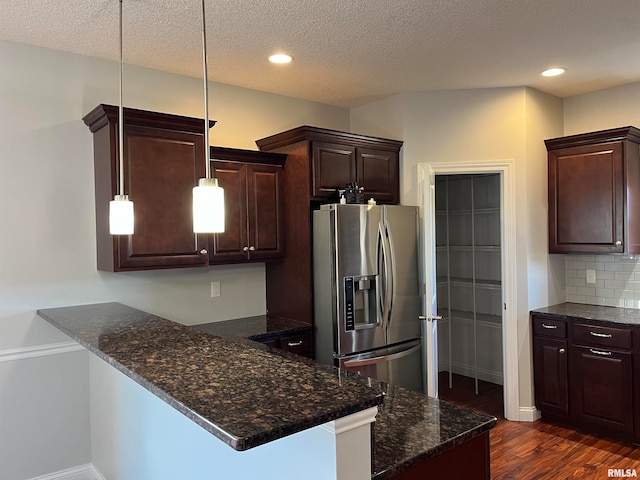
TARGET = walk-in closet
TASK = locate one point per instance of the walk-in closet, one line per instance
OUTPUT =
(469, 276)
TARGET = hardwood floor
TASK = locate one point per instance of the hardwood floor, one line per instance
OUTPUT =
(540, 450)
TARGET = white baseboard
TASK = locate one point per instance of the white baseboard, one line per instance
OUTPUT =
(529, 414)
(13, 354)
(83, 472)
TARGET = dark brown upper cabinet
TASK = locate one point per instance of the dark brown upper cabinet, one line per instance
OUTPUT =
(163, 160)
(252, 183)
(594, 192)
(338, 158)
(319, 161)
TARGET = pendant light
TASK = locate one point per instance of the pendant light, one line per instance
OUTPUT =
(208, 196)
(121, 208)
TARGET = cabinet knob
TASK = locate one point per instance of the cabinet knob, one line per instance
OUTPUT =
(252, 248)
(203, 251)
(561, 350)
(245, 249)
(618, 243)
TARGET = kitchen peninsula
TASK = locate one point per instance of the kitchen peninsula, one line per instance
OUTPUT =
(278, 412)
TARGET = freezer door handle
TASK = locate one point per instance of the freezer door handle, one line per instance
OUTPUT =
(374, 357)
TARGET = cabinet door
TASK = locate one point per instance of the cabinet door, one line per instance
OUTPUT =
(551, 375)
(265, 212)
(334, 166)
(377, 172)
(228, 246)
(602, 392)
(586, 199)
(161, 168)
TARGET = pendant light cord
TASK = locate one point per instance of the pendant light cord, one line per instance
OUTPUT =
(121, 118)
(206, 94)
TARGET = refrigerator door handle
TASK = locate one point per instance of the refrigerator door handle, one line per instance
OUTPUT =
(390, 270)
(386, 289)
(373, 357)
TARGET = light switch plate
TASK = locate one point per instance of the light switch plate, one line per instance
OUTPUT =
(591, 276)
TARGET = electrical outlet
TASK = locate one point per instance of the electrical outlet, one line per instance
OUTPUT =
(215, 289)
(591, 276)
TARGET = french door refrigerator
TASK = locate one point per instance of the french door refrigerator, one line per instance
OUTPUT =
(366, 291)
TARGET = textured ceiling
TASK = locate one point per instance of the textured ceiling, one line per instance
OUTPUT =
(349, 52)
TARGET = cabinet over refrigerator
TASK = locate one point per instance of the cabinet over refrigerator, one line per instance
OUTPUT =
(366, 291)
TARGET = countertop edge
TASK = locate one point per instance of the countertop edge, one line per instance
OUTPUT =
(595, 313)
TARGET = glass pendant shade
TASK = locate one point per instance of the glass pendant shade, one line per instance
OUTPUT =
(208, 206)
(121, 215)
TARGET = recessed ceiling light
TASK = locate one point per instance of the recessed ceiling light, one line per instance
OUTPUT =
(553, 72)
(280, 58)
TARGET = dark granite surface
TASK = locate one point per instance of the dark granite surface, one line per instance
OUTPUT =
(409, 428)
(254, 328)
(597, 313)
(244, 396)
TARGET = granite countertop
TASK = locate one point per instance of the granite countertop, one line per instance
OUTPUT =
(409, 428)
(215, 381)
(623, 316)
(254, 328)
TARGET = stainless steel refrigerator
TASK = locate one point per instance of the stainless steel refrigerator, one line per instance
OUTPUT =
(366, 291)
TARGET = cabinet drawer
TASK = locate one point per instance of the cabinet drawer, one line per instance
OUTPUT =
(299, 344)
(549, 327)
(600, 336)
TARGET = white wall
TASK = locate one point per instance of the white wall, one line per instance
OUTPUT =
(47, 238)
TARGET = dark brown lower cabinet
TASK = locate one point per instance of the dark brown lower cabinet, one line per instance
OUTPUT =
(469, 460)
(584, 375)
(551, 375)
(602, 394)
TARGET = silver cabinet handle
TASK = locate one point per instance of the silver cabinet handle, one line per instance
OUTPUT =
(203, 251)
(295, 344)
(561, 350)
(252, 248)
(245, 249)
(618, 243)
(430, 319)
(601, 335)
(552, 327)
(598, 352)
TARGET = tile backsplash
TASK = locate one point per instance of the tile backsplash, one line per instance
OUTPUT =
(617, 280)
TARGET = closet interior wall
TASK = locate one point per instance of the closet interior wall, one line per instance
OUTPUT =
(469, 276)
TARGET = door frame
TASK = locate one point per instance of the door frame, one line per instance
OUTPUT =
(426, 182)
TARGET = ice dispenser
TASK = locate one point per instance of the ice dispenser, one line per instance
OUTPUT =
(360, 302)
